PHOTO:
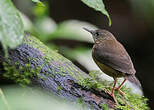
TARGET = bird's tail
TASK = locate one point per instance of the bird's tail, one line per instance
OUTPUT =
(134, 80)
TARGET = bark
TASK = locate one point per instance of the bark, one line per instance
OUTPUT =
(55, 72)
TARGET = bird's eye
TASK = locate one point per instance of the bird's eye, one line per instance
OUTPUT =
(97, 33)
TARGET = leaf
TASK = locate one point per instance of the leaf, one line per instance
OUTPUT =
(44, 27)
(39, 3)
(11, 26)
(36, 1)
(28, 25)
(98, 5)
(73, 30)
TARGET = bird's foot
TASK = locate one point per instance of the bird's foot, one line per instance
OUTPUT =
(112, 95)
(113, 98)
(122, 93)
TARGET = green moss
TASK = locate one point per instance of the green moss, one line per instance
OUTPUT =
(127, 102)
(20, 74)
(52, 56)
(46, 52)
(92, 82)
(82, 103)
(105, 107)
(49, 55)
(130, 100)
(15, 74)
(59, 89)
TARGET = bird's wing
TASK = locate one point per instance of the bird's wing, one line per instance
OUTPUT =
(114, 56)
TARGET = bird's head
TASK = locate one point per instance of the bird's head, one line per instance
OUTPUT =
(100, 34)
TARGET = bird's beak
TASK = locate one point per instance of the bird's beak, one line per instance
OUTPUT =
(91, 31)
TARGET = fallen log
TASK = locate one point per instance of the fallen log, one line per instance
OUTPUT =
(35, 64)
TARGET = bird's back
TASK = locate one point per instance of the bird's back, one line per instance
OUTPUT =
(111, 55)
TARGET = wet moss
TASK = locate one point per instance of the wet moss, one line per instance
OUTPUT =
(130, 101)
(20, 75)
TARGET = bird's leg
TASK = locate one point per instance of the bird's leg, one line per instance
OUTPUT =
(118, 88)
(112, 93)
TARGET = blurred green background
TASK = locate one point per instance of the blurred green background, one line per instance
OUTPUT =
(18, 98)
(59, 23)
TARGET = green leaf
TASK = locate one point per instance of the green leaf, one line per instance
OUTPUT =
(39, 3)
(36, 1)
(41, 9)
(11, 26)
(98, 5)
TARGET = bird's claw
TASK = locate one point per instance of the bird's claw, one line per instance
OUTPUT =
(122, 93)
(112, 95)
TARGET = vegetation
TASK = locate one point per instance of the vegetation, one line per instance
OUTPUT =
(128, 102)
(12, 35)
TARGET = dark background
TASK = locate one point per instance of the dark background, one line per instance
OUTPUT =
(132, 29)
(132, 24)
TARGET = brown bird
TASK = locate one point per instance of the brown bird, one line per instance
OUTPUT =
(112, 58)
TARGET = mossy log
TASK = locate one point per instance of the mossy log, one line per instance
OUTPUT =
(34, 63)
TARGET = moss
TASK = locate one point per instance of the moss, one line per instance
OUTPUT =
(49, 55)
(81, 102)
(130, 100)
(127, 102)
(20, 74)
(92, 82)
(59, 89)
(105, 107)
(15, 74)
(46, 52)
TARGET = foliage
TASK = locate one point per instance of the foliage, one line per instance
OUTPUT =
(131, 101)
(11, 35)
(38, 2)
(73, 30)
(11, 26)
(40, 10)
(98, 5)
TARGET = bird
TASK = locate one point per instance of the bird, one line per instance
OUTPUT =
(112, 58)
